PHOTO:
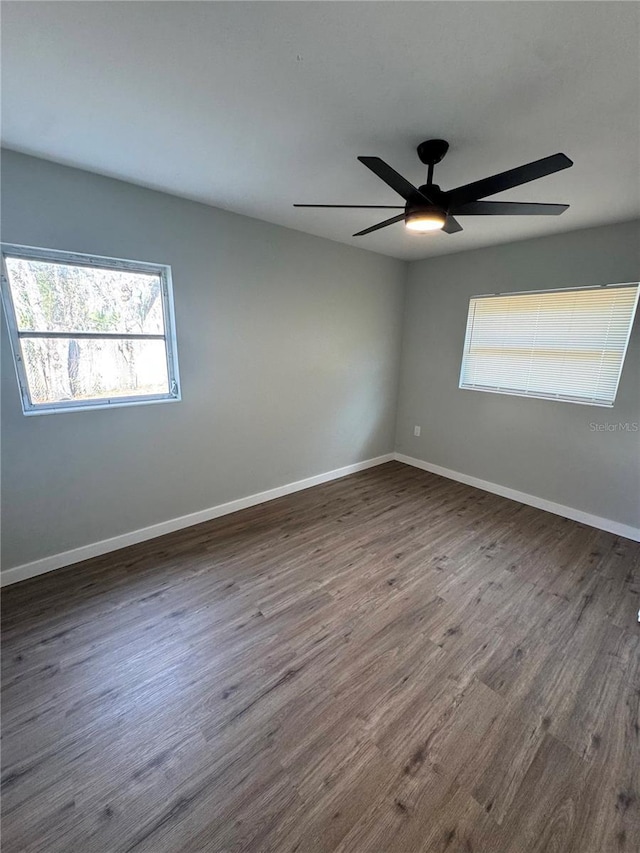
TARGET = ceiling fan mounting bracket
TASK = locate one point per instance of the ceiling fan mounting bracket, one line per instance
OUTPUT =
(431, 151)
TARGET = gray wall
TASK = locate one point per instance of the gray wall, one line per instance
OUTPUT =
(544, 448)
(288, 347)
(289, 350)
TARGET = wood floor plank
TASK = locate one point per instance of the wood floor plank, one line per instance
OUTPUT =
(550, 806)
(392, 662)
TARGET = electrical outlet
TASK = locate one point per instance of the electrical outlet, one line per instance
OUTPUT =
(416, 430)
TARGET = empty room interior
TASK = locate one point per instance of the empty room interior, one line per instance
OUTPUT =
(320, 427)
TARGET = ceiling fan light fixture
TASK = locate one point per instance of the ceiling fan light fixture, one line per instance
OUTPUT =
(422, 221)
(428, 208)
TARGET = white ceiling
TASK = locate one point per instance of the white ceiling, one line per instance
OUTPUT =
(253, 106)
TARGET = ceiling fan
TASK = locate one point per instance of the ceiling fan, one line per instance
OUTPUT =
(428, 208)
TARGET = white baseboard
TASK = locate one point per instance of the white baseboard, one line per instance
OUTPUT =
(96, 549)
(531, 500)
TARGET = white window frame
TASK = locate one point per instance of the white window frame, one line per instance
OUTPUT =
(564, 398)
(96, 262)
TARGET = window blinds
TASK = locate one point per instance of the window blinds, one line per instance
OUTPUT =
(556, 344)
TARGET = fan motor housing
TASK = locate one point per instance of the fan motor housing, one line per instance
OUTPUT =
(433, 193)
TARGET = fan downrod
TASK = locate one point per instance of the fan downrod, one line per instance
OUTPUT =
(432, 151)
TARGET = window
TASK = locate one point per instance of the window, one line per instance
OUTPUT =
(556, 344)
(88, 332)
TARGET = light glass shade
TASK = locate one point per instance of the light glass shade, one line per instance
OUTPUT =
(425, 220)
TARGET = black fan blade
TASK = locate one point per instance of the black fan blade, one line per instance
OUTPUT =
(359, 206)
(451, 226)
(509, 208)
(506, 180)
(380, 225)
(391, 177)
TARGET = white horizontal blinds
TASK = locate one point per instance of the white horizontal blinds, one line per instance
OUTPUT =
(567, 345)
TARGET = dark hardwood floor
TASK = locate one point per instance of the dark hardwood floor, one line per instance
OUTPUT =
(389, 663)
